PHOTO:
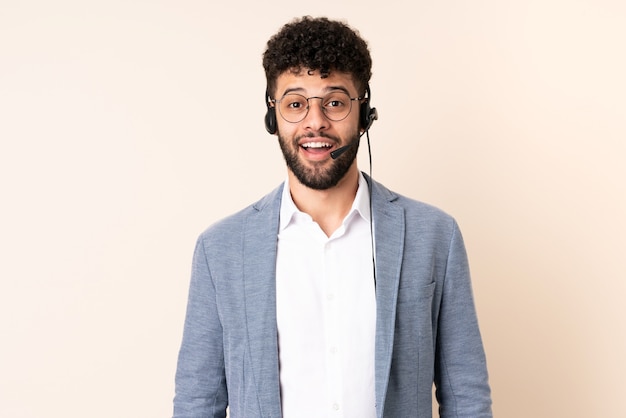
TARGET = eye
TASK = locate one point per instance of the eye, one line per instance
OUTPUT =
(336, 101)
(293, 103)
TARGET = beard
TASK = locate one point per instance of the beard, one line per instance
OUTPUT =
(315, 175)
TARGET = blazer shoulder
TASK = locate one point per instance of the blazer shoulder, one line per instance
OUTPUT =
(414, 210)
(422, 210)
(232, 225)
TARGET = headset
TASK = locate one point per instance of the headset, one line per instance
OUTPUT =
(367, 114)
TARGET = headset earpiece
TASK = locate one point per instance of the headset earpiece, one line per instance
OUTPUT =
(270, 116)
(270, 120)
(367, 114)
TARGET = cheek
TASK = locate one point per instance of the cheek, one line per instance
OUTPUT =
(352, 126)
(285, 130)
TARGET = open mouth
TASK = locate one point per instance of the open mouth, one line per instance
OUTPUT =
(313, 146)
(317, 147)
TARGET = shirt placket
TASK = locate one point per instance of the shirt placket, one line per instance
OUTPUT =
(333, 330)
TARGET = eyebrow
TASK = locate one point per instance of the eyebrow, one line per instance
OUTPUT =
(326, 90)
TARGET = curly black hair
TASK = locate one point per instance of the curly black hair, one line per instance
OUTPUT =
(317, 44)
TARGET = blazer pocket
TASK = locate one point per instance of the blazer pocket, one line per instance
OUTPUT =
(414, 313)
(413, 294)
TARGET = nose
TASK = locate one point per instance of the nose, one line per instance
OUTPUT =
(316, 118)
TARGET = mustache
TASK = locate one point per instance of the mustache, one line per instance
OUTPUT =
(316, 135)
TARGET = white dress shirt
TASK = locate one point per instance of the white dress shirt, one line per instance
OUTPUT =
(326, 313)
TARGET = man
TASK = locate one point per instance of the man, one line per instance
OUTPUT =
(332, 296)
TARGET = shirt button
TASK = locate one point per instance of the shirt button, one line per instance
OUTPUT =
(333, 350)
(336, 406)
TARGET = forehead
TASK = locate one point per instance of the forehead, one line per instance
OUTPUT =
(312, 82)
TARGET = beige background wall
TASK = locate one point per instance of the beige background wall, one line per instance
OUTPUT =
(126, 127)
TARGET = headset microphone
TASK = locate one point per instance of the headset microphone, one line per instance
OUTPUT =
(339, 151)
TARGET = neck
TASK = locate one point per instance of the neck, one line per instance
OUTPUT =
(327, 207)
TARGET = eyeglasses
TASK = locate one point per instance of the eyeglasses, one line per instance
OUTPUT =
(336, 106)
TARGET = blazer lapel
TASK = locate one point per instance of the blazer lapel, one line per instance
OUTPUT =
(259, 270)
(389, 226)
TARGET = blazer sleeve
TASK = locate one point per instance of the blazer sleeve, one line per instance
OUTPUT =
(200, 375)
(461, 380)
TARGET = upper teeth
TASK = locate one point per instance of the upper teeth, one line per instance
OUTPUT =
(316, 145)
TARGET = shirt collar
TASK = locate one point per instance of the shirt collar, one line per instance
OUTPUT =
(361, 205)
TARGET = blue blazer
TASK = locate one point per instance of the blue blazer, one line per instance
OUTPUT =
(426, 326)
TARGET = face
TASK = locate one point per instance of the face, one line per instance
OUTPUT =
(306, 145)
